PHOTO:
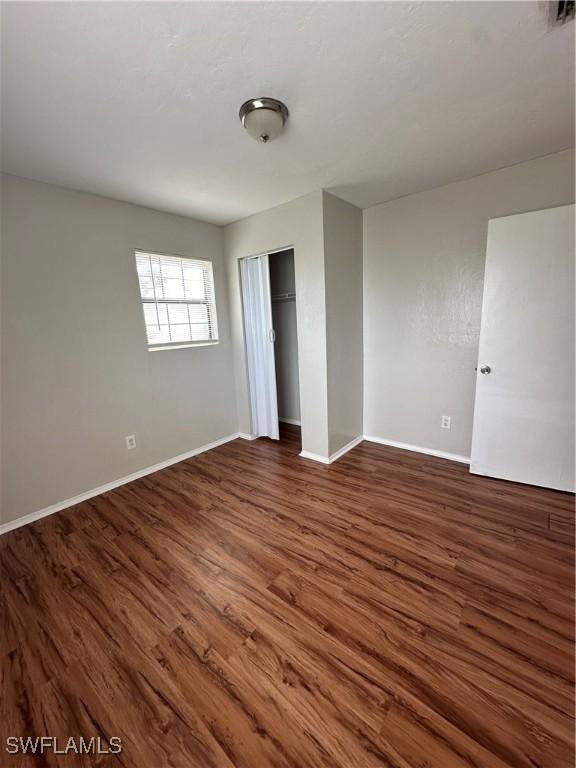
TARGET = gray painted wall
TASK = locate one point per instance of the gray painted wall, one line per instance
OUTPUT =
(76, 372)
(77, 376)
(423, 273)
(282, 281)
(326, 235)
(343, 267)
(297, 225)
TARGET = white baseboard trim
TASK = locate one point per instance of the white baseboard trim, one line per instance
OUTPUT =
(33, 516)
(345, 448)
(418, 449)
(294, 422)
(334, 456)
(315, 457)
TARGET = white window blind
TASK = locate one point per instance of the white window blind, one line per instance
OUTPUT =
(177, 299)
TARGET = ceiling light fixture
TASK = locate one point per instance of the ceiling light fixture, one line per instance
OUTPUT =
(263, 118)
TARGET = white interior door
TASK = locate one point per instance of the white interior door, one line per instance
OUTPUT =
(524, 412)
(259, 334)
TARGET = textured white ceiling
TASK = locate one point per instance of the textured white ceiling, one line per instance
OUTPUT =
(139, 101)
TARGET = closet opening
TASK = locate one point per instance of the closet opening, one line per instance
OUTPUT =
(271, 333)
(283, 290)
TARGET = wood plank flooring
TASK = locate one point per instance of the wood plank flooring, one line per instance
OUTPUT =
(250, 608)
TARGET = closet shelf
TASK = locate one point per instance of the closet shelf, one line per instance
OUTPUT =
(284, 297)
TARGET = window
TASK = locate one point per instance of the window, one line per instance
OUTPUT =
(177, 299)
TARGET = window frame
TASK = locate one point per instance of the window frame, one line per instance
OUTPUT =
(161, 346)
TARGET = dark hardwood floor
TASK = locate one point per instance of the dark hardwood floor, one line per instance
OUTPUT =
(251, 608)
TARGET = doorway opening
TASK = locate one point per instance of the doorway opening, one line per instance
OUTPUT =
(271, 333)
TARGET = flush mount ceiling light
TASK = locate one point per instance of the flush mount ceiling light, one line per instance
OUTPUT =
(264, 118)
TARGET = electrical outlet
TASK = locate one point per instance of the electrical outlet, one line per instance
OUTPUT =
(130, 442)
(446, 422)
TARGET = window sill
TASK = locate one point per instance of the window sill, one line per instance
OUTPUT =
(165, 347)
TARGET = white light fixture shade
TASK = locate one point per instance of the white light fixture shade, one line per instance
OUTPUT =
(263, 118)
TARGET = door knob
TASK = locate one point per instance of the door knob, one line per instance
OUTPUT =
(485, 369)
